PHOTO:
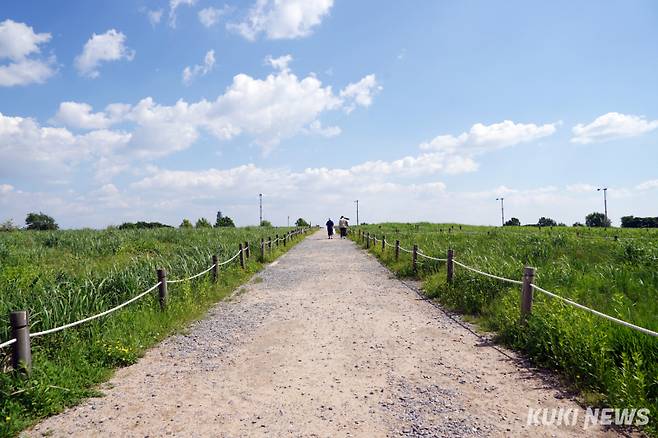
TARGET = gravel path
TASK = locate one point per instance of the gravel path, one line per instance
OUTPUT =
(324, 342)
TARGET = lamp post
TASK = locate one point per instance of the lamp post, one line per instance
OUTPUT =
(260, 199)
(605, 203)
(502, 209)
(357, 212)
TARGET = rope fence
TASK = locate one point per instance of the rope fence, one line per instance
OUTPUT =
(21, 350)
(527, 284)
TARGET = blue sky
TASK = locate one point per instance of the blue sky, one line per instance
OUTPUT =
(164, 110)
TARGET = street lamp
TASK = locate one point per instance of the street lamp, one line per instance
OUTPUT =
(357, 212)
(605, 203)
(502, 209)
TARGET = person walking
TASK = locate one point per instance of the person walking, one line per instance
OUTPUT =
(342, 224)
(330, 228)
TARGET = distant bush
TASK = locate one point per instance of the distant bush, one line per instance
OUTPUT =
(577, 224)
(8, 225)
(40, 221)
(224, 221)
(639, 222)
(514, 222)
(597, 220)
(265, 223)
(141, 225)
(301, 223)
(546, 222)
(203, 223)
(185, 224)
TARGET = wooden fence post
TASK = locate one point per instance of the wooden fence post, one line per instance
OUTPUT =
(285, 239)
(269, 243)
(247, 249)
(21, 352)
(383, 243)
(397, 250)
(262, 249)
(215, 269)
(277, 240)
(526, 293)
(241, 255)
(368, 241)
(450, 265)
(162, 289)
(414, 258)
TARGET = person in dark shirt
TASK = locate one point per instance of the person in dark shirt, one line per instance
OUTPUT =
(330, 228)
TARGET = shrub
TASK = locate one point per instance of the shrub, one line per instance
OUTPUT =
(185, 224)
(597, 220)
(514, 222)
(40, 221)
(301, 223)
(203, 223)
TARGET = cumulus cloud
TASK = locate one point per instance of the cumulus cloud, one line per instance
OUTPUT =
(173, 7)
(483, 138)
(190, 73)
(18, 42)
(210, 16)
(106, 47)
(282, 19)
(361, 93)
(81, 116)
(581, 188)
(612, 126)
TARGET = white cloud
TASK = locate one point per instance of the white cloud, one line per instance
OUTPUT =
(330, 131)
(280, 63)
(173, 6)
(190, 73)
(106, 47)
(361, 93)
(482, 138)
(25, 146)
(612, 126)
(154, 16)
(80, 116)
(282, 19)
(17, 42)
(210, 16)
(581, 188)
(648, 185)
(6, 188)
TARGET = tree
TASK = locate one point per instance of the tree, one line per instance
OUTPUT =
(40, 221)
(223, 221)
(597, 219)
(514, 222)
(301, 223)
(8, 225)
(185, 224)
(142, 225)
(265, 223)
(546, 222)
(203, 223)
(577, 224)
(639, 222)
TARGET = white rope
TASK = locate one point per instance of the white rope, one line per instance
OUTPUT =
(509, 280)
(73, 324)
(596, 312)
(192, 277)
(8, 343)
(388, 244)
(432, 258)
(229, 260)
(406, 250)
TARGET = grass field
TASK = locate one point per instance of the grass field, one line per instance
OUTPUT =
(64, 276)
(614, 271)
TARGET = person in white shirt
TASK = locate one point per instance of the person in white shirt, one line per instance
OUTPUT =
(342, 225)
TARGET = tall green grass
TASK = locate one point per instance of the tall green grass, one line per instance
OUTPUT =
(64, 276)
(614, 271)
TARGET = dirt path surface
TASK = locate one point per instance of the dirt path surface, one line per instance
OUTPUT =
(324, 342)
